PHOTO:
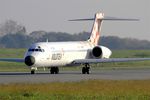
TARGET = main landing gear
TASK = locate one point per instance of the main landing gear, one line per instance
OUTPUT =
(86, 69)
(54, 70)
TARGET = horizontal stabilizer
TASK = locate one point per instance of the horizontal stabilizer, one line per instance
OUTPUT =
(107, 18)
(81, 19)
(119, 19)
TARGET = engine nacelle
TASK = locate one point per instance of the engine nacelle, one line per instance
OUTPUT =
(101, 52)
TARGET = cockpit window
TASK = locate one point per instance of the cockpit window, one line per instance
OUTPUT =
(36, 50)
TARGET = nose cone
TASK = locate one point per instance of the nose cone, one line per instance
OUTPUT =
(29, 60)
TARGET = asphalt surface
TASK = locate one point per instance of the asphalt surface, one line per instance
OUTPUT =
(71, 76)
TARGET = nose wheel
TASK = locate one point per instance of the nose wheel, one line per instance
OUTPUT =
(86, 69)
(32, 71)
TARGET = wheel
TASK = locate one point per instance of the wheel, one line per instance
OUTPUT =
(83, 70)
(87, 70)
(54, 70)
(32, 71)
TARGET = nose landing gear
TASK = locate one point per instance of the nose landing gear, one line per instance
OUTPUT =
(33, 69)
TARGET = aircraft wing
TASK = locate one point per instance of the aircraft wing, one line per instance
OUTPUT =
(83, 61)
(12, 59)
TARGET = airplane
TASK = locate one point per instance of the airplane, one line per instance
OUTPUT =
(53, 55)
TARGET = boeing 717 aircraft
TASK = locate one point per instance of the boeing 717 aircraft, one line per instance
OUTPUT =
(53, 55)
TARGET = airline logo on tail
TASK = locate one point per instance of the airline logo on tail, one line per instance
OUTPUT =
(95, 33)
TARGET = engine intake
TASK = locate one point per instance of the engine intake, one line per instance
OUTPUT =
(97, 52)
(100, 52)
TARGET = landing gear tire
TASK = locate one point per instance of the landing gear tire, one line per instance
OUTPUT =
(32, 71)
(83, 70)
(86, 69)
(54, 70)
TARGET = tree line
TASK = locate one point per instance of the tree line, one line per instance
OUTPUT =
(113, 42)
(14, 35)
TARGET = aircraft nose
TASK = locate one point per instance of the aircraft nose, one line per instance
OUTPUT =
(29, 60)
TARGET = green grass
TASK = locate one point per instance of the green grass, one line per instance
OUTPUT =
(84, 90)
(12, 53)
(11, 66)
(130, 53)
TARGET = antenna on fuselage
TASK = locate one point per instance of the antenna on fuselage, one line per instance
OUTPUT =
(46, 40)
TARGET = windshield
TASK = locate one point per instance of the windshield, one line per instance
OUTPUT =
(36, 50)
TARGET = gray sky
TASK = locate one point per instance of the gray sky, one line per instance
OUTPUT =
(52, 15)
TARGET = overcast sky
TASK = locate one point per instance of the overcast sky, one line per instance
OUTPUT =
(52, 15)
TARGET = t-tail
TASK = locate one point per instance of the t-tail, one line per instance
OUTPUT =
(96, 29)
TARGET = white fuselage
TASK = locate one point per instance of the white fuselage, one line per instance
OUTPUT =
(51, 54)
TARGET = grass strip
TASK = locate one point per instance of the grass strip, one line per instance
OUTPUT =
(83, 90)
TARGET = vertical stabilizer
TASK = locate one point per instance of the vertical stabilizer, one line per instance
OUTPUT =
(96, 29)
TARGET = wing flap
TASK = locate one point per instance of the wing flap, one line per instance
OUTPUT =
(83, 61)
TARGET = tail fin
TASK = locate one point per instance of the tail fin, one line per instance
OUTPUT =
(99, 17)
(95, 33)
